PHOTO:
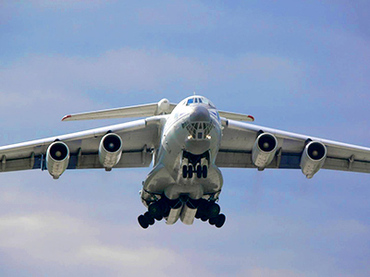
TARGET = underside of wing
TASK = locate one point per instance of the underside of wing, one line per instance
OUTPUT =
(124, 145)
(251, 146)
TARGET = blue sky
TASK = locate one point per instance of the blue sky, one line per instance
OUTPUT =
(300, 66)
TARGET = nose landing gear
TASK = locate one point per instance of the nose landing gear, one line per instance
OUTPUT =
(195, 165)
(189, 170)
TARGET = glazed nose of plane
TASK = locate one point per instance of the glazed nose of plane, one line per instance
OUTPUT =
(199, 113)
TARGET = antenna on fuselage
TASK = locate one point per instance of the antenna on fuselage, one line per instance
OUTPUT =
(194, 93)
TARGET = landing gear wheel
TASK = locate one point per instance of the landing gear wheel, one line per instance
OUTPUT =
(184, 171)
(205, 171)
(190, 171)
(143, 221)
(149, 218)
(199, 171)
(204, 218)
(213, 220)
(155, 211)
(221, 218)
(214, 210)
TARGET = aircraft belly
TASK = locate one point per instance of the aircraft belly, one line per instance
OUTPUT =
(167, 175)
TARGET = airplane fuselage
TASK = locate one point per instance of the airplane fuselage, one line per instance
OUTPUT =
(184, 164)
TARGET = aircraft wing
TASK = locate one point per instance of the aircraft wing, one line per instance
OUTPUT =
(239, 138)
(138, 138)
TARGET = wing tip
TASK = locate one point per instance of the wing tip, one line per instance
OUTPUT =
(66, 117)
(251, 117)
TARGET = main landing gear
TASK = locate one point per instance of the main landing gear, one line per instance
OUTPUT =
(156, 211)
(209, 210)
(206, 211)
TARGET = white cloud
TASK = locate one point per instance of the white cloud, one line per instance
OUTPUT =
(56, 239)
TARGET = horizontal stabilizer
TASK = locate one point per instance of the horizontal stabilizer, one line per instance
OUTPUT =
(162, 107)
(236, 116)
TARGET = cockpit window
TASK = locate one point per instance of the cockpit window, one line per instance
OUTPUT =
(201, 100)
(190, 101)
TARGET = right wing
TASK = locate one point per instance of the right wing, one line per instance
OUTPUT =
(138, 137)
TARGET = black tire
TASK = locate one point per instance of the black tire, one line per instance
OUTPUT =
(149, 218)
(205, 171)
(166, 209)
(143, 221)
(155, 211)
(199, 172)
(221, 218)
(184, 171)
(190, 171)
(204, 218)
(213, 220)
(214, 210)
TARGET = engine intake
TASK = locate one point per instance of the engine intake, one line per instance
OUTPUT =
(110, 150)
(57, 158)
(264, 150)
(313, 158)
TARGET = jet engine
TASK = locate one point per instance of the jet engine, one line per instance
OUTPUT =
(264, 150)
(110, 150)
(57, 158)
(313, 158)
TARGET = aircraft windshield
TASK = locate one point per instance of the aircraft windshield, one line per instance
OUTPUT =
(199, 100)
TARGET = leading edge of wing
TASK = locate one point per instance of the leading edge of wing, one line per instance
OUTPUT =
(20, 150)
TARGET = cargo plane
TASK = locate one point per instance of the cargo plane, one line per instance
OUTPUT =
(187, 144)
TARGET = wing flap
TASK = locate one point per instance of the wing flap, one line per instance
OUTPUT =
(18, 164)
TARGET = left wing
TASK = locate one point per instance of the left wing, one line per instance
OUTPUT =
(138, 139)
(239, 139)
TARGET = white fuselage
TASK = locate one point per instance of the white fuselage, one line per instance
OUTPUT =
(190, 138)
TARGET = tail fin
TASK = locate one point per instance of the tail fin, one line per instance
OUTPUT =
(162, 107)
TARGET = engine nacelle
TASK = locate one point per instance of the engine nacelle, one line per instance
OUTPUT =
(57, 158)
(313, 158)
(264, 150)
(110, 150)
